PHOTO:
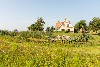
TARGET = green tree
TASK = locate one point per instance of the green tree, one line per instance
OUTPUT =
(94, 24)
(15, 30)
(52, 28)
(4, 32)
(48, 29)
(38, 26)
(80, 25)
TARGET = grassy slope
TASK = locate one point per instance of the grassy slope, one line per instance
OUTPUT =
(38, 55)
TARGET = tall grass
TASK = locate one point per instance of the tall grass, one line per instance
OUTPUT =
(38, 55)
(30, 54)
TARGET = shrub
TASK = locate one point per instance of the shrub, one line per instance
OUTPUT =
(84, 37)
(66, 31)
(62, 29)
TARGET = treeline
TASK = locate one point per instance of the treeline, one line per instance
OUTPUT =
(38, 26)
(24, 35)
(94, 25)
(81, 26)
(35, 30)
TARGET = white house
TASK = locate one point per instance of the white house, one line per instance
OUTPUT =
(65, 25)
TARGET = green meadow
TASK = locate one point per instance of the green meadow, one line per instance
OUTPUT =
(30, 54)
(49, 33)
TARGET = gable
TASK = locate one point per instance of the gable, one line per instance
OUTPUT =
(65, 24)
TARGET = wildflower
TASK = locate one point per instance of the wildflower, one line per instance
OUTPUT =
(54, 55)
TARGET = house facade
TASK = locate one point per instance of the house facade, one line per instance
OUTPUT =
(65, 25)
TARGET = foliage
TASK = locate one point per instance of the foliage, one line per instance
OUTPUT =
(17, 49)
(62, 30)
(99, 33)
(10, 33)
(32, 54)
(4, 32)
(95, 24)
(83, 37)
(25, 35)
(80, 25)
(50, 29)
(38, 26)
(67, 31)
(49, 32)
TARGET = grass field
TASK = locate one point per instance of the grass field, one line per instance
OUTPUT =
(30, 54)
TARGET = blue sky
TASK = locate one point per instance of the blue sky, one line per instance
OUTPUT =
(19, 14)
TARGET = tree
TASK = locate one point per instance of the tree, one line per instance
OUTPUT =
(4, 32)
(48, 29)
(52, 28)
(94, 24)
(80, 25)
(15, 30)
(38, 26)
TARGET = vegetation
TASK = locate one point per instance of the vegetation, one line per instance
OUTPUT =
(80, 25)
(95, 24)
(34, 49)
(14, 54)
(38, 26)
(50, 29)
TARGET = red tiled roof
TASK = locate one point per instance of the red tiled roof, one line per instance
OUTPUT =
(59, 24)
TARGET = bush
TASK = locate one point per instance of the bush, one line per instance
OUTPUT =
(84, 37)
(62, 29)
(99, 33)
(66, 31)
(31, 34)
(4, 32)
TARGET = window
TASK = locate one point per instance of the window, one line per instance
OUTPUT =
(67, 25)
